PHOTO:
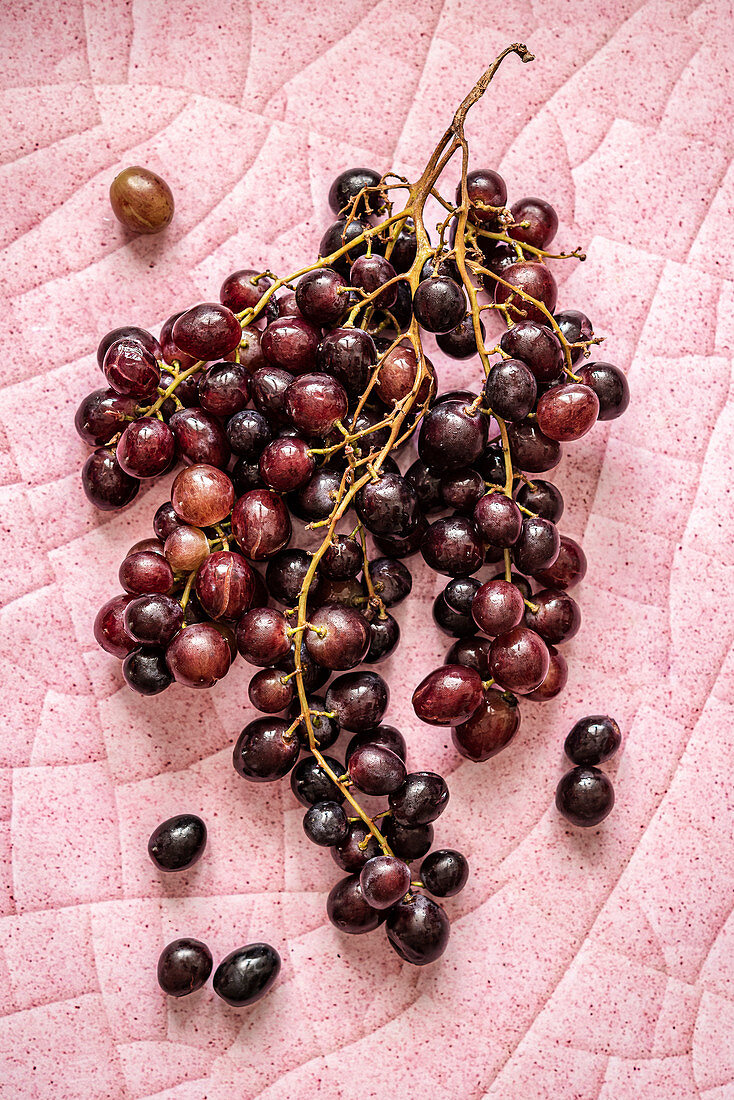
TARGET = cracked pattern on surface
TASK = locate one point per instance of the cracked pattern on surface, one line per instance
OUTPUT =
(580, 966)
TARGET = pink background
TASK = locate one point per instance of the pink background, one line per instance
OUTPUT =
(596, 965)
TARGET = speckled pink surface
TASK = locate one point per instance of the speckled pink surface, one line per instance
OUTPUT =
(580, 965)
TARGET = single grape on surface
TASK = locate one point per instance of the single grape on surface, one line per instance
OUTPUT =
(141, 200)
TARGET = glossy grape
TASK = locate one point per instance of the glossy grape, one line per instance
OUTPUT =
(326, 824)
(533, 279)
(199, 656)
(177, 843)
(339, 637)
(576, 327)
(348, 185)
(543, 498)
(530, 449)
(225, 389)
(489, 728)
(349, 855)
(239, 291)
(384, 881)
(109, 627)
(567, 411)
(593, 739)
(202, 495)
(542, 222)
(247, 974)
(207, 331)
(536, 345)
(510, 389)
(146, 670)
(418, 930)
(472, 653)
(387, 506)
(200, 437)
(261, 524)
(444, 872)
(439, 304)
(102, 414)
(610, 386)
(498, 607)
(146, 447)
(486, 190)
(498, 519)
(519, 660)
(359, 699)
(321, 297)
(453, 546)
(585, 796)
(555, 680)
(450, 437)
(376, 770)
(348, 910)
(311, 784)
(538, 545)
(263, 752)
(153, 620)
(421, 799)
(448, 695)
(184, 966)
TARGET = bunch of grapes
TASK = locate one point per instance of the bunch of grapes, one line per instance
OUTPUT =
(287, 402)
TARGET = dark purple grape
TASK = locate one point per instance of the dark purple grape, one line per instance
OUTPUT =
(593, 740)
(421, 799)
(261, 524)
(314, 674)
(387, 506)
(359, 699)
(109, 627)
(248, 433)
(269, 385)
(533, 279)
(585, 796)
(146, 448)
(315, 500)
(102, 414)
(105, 483)
(442, 264)
(369, 273)
(384, 881)
(326, 824)
(207, 331)
(543, 498)
(491, 465)
(322, 297)
(145, 671)
(448, 695)
(347, 909)
(496, 255)
(460, 342)
(408, 842)
(376, 770)
(452, 546)
(427, 485)
(498, 607)
(131, 369)
(326, 730)
(263, 752)
(534, 343)
(489, 729)
(348, 354)
(530, 449)
(128, 332)
(342, 558)
(418, 930)
(165, 521)
(576, 327)
(398, 373)
(498, 519)
(519, 660)
(184, 965)
(315, 402)
(487, 192)
(610, 386)
(338, 638)
(349, 855)
(285, 575)
(225, 389)
(247, 974)
(439, 304)
(402, 547)
(510, 390)
(199, 656)
(452, 622)
(348, 185)
(387, 737)
(262, 636)
(405, 248)
(339, 234)
(558, 616)
(144, 572)
(555, 680)
(269, 692)
(311, 784)
(384, 638)
(450, 437)
(172, 354)
(286, 464)
(177, 843)
(392, 580)
(200, 437)
(153, 620)
(472, 653)
(463, 489)
(239, 291)
(444, 872)
(542, 222)
(537, 547)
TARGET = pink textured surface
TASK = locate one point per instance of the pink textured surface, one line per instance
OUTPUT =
(580, 965)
